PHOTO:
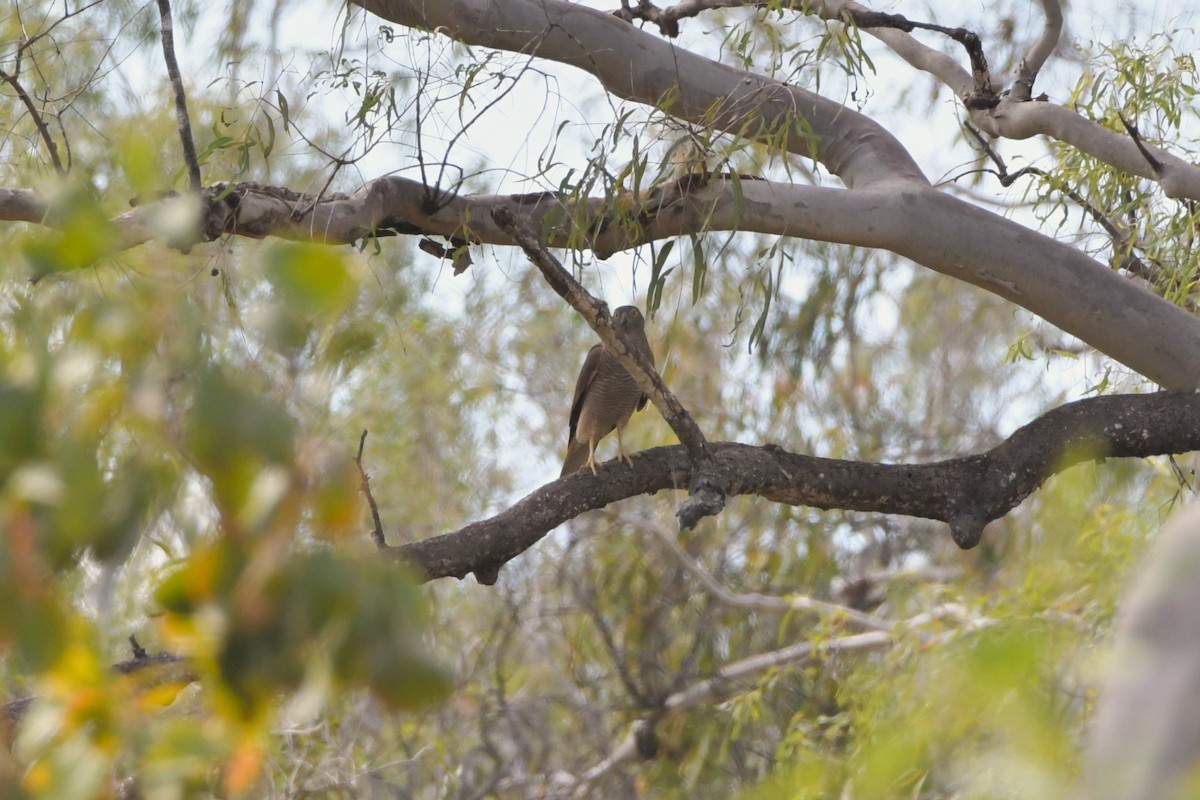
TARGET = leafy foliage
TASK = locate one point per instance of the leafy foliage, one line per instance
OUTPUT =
(177, 432)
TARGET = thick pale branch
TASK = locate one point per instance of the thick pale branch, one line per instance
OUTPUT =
(1017, 118)
(635, 65)
(1050, 278)
(1145, 734)
(1014, 117)
(940, 232)
(1041, 51)
(966, 492)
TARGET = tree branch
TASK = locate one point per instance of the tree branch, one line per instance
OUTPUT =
(39, 123)
(1122, 241)
(365, 483)
(1144, 741)
(966, 492)
(891, 29)
(1049, 278)
(639, 743)
(1043, 48)
(868, 159)
(1013, 117)
(707, 495)
(168, 668)
(982, 95)
(685, 85)
(181, 110)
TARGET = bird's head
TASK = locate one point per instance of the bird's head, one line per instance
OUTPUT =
(628, 319)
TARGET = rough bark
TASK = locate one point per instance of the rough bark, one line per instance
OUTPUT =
(967, 492)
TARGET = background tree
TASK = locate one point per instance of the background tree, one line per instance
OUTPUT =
(847, 347)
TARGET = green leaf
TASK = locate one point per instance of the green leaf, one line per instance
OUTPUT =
(283, 109)
(311, 279)
(233, 433)
(82, 237)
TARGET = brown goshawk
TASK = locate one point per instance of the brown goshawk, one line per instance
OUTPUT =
(605, 395)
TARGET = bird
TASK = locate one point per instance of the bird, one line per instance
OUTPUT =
(605, 395)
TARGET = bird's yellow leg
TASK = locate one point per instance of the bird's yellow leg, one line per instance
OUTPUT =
(591, 462)
(621, 454)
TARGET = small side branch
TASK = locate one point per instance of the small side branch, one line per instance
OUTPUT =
(595, 313)
(1123, 245)
(646, 10)
(377, 530)
(1043, 48)
(38, 122)
(983, 94)
(755, 601)
(181, 111)
(1132, 130)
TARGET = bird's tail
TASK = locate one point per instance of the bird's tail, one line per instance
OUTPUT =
(577, 456)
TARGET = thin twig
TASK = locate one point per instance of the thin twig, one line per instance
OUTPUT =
(1122, 243)
(1154, 163)
(761, 602)
(710, 688)
(39, 123)
(667, 20)
(139, 652)
(181, 111)
(377, 530)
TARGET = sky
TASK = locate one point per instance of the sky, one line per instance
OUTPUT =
(559, 111)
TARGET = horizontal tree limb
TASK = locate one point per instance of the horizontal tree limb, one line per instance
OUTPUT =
(1049, 278)
(966, 492)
